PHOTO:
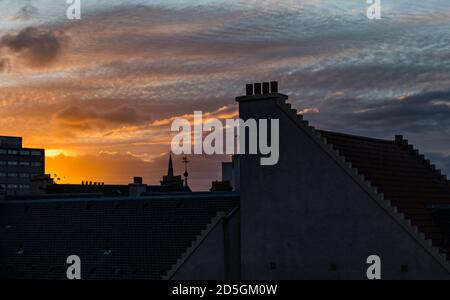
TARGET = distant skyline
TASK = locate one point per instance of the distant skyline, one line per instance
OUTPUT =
(99, 94)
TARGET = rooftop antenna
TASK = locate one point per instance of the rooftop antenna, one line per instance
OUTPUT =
(186, 174)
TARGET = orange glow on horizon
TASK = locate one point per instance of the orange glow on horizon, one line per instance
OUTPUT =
(55, 152)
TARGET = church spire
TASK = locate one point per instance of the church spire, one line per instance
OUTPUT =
(170, 169)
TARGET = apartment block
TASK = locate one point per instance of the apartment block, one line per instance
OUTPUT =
(18, 165)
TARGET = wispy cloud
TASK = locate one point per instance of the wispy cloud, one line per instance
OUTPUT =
(114, 80)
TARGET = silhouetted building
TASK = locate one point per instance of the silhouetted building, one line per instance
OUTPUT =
(43, 184)
(334, 199)
(118, 237)
(220, 186)
(170, 182)
(39, 183)
(108, 190)
(230, 173)
(330, 202)
(18, 165)
(170, 179)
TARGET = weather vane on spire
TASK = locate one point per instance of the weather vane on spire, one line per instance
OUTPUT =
(186, 174)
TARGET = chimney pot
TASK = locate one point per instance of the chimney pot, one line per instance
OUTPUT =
(249, 89)
(257, 88)
(274, 86)
(138, 180)
(266, 88)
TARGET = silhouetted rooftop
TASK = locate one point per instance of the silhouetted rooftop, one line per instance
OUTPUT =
(116, 237)
(402, 175)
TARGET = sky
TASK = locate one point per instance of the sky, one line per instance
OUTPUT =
(99, 93)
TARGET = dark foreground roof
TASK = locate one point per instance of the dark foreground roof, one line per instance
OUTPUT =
(133, 238)
(403, 176)
(107, 190)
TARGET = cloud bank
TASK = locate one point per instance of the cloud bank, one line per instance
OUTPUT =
(112, 81)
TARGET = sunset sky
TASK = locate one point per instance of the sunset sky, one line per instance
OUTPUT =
(99, 93)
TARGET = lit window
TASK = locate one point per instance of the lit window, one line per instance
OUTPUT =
(13, 152)
(13, 163)
(24, 163)
(24, 152)
(36, 153)
(12, 186)
(24, 186)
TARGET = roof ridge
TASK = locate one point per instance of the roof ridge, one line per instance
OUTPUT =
(405, 145)
(356, 136)
(371, 190)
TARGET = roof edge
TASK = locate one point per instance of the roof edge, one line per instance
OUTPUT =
(195, 244)
(158, 196)
(372, 191)
(356, 136)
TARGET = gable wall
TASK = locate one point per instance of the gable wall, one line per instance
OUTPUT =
(306, 213)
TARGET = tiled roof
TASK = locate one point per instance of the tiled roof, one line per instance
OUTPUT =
(133, 238)
(402, 175)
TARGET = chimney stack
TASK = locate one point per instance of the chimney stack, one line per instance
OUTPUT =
(258, 90)
(137, 188)
(264, 88)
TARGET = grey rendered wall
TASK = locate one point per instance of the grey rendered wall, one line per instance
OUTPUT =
(305, 218)
(232, 243)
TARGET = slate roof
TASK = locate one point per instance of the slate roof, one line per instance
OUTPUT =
(132, 238)
(404, 176)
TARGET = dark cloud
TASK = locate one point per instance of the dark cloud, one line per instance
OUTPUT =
(363, 76)
(38, 46)
(419, 113)
(124, 115)
(4, 65)
(26, 12)
(128, 62)
(76, 114)
(85, 118)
